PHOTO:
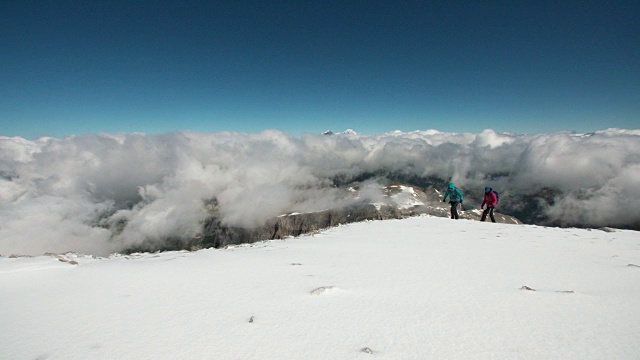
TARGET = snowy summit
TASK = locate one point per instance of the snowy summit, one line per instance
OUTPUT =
(418, 288)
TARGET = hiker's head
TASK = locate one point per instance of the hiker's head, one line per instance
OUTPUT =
(451, 186)
(487, 189)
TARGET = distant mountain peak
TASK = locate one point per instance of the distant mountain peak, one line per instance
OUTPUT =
(346, 132)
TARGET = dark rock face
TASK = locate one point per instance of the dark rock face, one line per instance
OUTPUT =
(216, 235)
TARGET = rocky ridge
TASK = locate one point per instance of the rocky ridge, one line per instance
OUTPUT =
(398, 201)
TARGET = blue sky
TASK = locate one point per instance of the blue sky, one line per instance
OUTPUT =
(71, 67)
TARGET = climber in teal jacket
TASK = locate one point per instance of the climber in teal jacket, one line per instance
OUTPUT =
(455, 197)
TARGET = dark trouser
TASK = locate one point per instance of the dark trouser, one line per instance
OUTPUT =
(488, 210)
(454, 210)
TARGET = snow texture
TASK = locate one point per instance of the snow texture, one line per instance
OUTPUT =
(417, 288)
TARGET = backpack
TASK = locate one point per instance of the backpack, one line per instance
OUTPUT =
(497, 196)
(456, 194)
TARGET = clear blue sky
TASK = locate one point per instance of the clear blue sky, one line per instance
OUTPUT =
(72, 67)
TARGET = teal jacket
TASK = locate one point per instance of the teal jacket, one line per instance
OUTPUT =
(455, 195)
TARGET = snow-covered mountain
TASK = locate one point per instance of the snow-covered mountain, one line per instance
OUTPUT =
(423, 287)
(346, 132)
(393, 202)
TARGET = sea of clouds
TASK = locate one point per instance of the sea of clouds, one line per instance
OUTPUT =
(102, 193)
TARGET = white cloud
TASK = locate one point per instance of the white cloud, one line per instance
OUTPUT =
(59, 193)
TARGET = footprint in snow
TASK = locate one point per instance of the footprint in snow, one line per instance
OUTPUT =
(525, 287)
(366, 350)
(321, 290)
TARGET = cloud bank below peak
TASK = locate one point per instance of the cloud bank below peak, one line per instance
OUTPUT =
(101, 193)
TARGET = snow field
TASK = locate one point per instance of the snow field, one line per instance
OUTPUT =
(416, 288)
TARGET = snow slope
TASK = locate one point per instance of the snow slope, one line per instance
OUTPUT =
(417, 288)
